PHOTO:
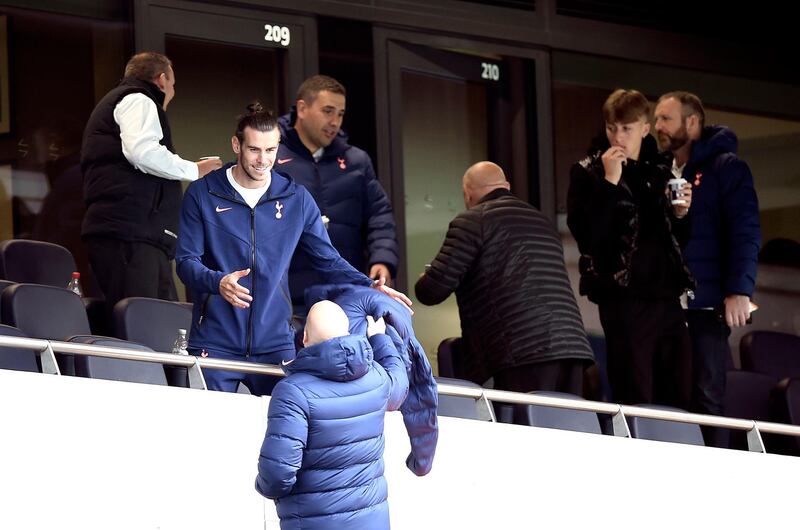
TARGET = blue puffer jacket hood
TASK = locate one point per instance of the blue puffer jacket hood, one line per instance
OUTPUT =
(715, 140)
(322, 456)
(420, 407)
(340, 359)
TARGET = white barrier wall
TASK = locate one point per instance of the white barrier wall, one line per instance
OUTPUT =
(90, 454)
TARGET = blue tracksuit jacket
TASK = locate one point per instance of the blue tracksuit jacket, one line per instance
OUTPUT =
(220, 233)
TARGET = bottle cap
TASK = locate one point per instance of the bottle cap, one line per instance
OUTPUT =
(181, 331)
(76, 274)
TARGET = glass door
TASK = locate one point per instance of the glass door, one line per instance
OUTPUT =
(225, 58)
(449, 104)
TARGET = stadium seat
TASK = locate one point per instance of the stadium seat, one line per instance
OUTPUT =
(786, 409)
(664, 430)
(117, 369)
(447, 358)
(557, 418)
(461, 407)
(598, 345)
(30, 261)
(16, 358)
(46, 312)
(154, 323)
(3, 285)
(747, 396)
(771, 352)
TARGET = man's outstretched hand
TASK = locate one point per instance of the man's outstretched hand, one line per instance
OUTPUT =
(237, 295)
(381, 286)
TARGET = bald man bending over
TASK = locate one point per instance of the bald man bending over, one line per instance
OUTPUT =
(519, 320)
(322, 456)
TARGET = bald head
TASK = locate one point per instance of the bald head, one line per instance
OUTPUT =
(480, 179)
(325, 321)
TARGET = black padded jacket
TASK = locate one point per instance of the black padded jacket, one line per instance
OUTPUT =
(505, 262)
(629, 240)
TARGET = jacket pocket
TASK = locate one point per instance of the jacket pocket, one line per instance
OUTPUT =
(203, 310)
(158, 196)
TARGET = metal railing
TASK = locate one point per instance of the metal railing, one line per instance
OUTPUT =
(482, 396)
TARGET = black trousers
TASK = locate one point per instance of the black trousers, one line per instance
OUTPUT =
(564, 375)
(130, 268)
(711, 354)
(649, 351)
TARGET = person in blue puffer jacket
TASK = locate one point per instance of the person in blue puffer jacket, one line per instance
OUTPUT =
(322, 456)
(314, 151)
(420, 409)
(722, 252)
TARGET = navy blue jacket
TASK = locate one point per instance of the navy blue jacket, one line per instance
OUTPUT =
(343, 183)
(420, 407)
(220, 233)
(722, 252)
(322, 456)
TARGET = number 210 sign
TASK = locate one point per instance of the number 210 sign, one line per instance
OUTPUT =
(277, 34)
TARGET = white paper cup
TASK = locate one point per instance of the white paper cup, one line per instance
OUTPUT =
(675, 186)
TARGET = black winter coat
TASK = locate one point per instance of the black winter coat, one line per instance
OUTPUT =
(606, 221)
(505, 262)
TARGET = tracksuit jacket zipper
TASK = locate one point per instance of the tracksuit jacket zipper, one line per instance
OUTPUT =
(252, 267)
(253, 281)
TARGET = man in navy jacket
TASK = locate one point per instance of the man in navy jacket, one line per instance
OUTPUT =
(239, 228)
(322, 456)
(722, 252)
(314, 151)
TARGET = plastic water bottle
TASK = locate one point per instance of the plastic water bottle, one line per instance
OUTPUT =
(74, 284)
(181, 343)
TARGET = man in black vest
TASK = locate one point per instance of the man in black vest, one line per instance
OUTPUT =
(132, 183)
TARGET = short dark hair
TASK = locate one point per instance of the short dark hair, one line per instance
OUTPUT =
(625, 106)
(256, 118)
(147, 66)
(315, 84)
(690, 104)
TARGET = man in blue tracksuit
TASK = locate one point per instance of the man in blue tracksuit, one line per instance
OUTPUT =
(239, 228)
(322, 456)
(722, 252)
(314, 151)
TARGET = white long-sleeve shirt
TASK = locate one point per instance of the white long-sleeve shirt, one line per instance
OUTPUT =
(140, 132)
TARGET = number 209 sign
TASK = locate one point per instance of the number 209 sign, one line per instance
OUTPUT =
(277, 34)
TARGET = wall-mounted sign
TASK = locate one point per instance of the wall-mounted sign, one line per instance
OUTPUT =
(277, 34)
